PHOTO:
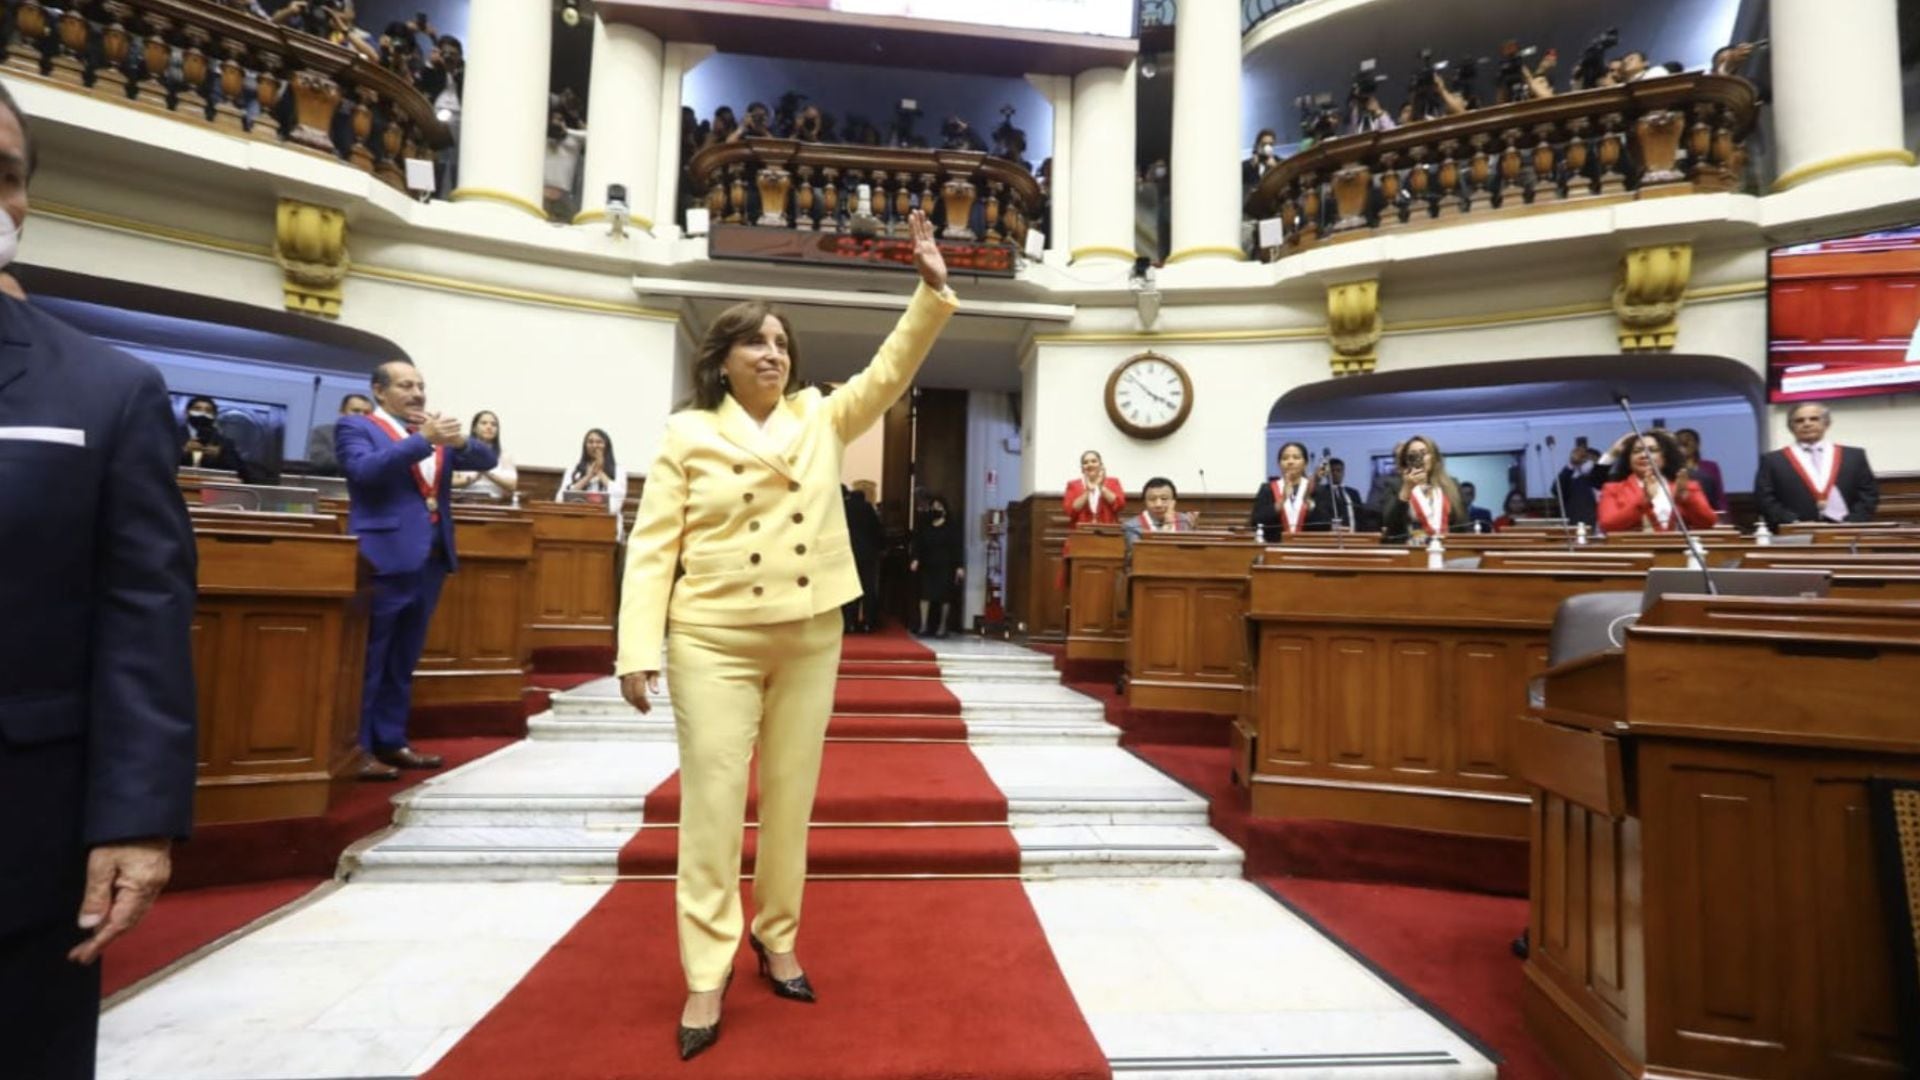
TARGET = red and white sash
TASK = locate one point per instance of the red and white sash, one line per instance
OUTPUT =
(1432, 511)
(419, 474)
(1292, 508)
(1147, 524)
(1821, 489)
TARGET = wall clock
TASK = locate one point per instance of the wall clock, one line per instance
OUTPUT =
(1149, 396)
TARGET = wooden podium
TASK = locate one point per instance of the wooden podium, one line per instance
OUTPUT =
(1704, 899)
(1188, 614)
(1096, 627)
(575, 551)
(279, 642)
(1385, 695)
(476, 640)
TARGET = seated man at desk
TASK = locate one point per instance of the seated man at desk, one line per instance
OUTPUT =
(1160, 515)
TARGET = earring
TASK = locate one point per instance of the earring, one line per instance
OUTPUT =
(724, 384)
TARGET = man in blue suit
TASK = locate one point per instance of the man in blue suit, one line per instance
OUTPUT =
(399, 462)
(97, 743)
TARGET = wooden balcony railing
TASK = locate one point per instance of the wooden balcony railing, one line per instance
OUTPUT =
(237, 72)
(784, 184)
(1668, 136)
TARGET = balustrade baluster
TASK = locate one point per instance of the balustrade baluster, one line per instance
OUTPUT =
(154, 75)
(1610, 154)
(230, 112)
(1577, 171)
(71, 60)
(1479, 179)
(1447, 180)
(1420, 185)
(361, 125)
(995, 198)
(1656, 139)
(736, 193)
(1310, 209)
(116, 48)
(1542, 174)
(803, 199)
(196, 71)
(1393, 201)
(1507, 174)
(957, 197)
(1352, 187)
(829, 199)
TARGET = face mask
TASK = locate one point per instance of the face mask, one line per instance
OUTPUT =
(9, 239)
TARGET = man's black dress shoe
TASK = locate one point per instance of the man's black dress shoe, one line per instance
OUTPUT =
(372, 770)
(694, 1041)
(407, 757)
(795, 989)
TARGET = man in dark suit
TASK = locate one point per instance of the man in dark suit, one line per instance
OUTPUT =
(97, 742)
(1578, 485)
(1814, 478)
(399, 462)
(1343, 503)
(866, 537)
(320, 438)
(1479, 518)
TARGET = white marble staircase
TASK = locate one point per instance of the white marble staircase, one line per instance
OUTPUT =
(563, 803)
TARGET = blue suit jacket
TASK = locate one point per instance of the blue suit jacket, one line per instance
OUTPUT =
(387, 513)
(97, 708)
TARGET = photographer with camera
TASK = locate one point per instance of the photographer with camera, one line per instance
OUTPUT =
(957, 135)
(1364, 111)
(1518, 79)
(1428, 95)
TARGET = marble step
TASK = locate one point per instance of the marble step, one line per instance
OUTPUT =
(562, 784)
(1040, 733)
(531, 853)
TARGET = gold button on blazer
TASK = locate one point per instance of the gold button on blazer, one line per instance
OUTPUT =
(753, 517)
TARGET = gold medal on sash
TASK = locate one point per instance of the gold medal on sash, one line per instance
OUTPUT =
(433, 505)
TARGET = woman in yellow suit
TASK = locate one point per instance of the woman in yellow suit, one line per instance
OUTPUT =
(745, 497)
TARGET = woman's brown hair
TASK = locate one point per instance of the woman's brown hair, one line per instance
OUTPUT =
(732, 326)
(1436, 466)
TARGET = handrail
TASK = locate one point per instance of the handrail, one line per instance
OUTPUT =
(1672, 135)
(241, 73)
(815, 186)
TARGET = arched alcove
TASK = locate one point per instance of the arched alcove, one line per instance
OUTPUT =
(1512, 424)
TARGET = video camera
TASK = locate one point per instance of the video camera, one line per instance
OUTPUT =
(905, 118)
(1593, 59)
(1422, 95)
(1512, 77)
(1366, 81)
(1319, 120)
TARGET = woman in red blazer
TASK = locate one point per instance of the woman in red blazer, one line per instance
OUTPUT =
(1093, 496)
(1633, 500)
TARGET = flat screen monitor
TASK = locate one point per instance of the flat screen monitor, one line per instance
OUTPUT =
(1105, 18)
(1842, 317)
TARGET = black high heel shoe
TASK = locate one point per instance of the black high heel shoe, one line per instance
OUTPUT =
(794, 989)
(694, 1041)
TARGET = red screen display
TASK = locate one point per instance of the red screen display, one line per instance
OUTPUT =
(1842, 315)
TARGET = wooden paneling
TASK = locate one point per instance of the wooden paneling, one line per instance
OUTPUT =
(1188, 645)
(477, 639)
(1403, 685)
(574, 577)
(277, 636)
(1097, 627)
(1728, 921)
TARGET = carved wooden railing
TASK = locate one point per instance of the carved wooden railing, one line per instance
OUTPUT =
(234, 70)
(1666, 136)
(781, 183)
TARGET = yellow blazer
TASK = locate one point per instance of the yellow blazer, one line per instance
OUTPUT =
(754, 517)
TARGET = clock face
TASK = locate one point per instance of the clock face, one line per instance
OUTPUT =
(1149, 396)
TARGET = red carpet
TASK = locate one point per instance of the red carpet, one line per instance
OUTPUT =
(307, 847)
(891, 643)
(480, 719)
(571, 659)
(1156, 726)
(184, 920)
(923, 697)
(1448, 947)
(895, 786)
(917, 981)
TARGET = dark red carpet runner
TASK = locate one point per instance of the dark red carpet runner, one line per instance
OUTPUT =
(917, 980)
(925, 805)
(891, 643)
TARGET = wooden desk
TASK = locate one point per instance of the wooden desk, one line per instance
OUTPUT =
(1704, 901)
(575, 572)
(478, 634)
(279, 640)
(1187, 649)
(1096, 627)
(1385, 695)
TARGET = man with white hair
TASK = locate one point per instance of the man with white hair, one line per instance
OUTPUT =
(1814, 479)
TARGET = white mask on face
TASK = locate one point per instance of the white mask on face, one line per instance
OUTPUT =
(9, 240)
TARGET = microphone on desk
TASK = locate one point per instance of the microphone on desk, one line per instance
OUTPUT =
(1559, 496)
(1342, 507)
(1694, 547)
(1203, 483)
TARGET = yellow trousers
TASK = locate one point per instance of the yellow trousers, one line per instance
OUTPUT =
(733, 686)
